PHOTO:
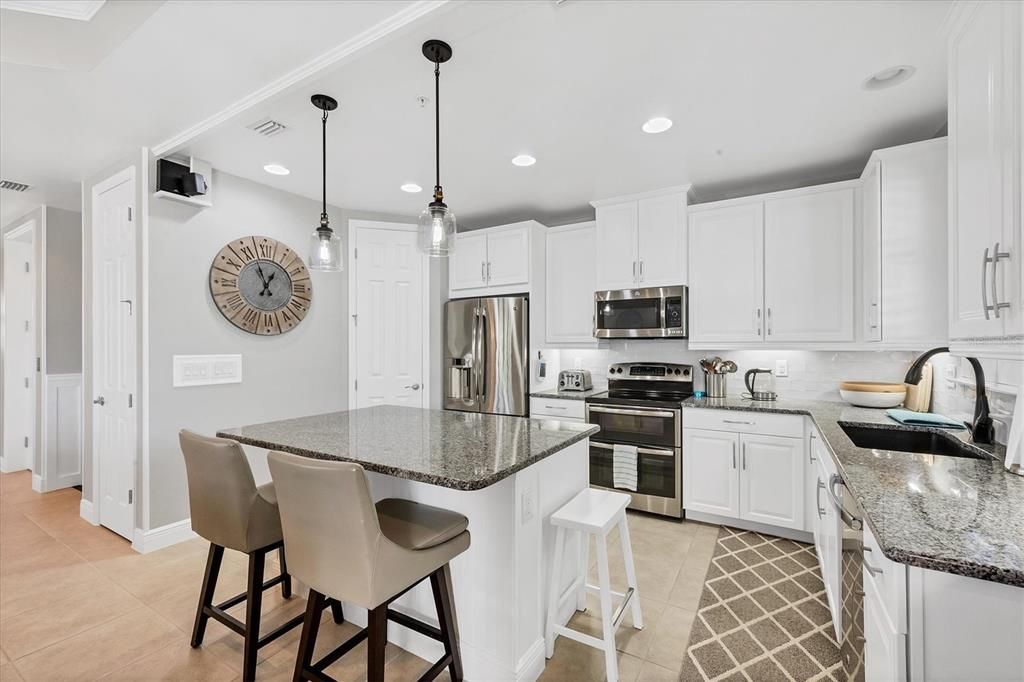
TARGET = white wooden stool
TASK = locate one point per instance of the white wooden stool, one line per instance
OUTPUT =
(593, 512)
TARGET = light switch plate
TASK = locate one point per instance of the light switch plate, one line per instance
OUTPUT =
(206, 370)
(782, 368)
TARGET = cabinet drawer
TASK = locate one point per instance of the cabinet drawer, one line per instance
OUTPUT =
(888, 580)
(788, 425)
(558, 407)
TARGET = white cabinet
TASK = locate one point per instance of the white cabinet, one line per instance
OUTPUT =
(710, 480)
(641, 240)
(985, 283)
(508, 257)
(467, 266)
(772, 480)
(726, 274)
(885, 651)
(808, 266)
(564, 409)
(570, 267)
(497, 260)
(905, 261)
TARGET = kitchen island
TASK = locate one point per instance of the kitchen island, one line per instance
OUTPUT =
(506, 474)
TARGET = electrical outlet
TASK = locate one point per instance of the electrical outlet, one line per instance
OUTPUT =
(782, 368)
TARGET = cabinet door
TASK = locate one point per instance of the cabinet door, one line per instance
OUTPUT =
(570, 265)
(871, 313)
(885, 651)
(808, 267)
(467, 266)
(508, 257)
(710, 473)
(661, 242)
(617, 246)
(772, 480)
(726, 276)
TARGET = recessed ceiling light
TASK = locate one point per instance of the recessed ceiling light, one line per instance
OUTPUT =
(411, 188)
(276, 169)
(887, 78)
(658, 124)
(523, 160)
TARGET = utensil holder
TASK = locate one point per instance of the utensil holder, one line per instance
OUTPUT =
(714, 385)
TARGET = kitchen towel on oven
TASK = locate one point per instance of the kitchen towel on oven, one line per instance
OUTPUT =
(624, 460)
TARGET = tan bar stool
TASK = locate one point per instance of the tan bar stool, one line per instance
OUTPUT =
(230, 511)
(341, 544)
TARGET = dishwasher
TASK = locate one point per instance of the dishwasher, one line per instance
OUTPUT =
(851, 645)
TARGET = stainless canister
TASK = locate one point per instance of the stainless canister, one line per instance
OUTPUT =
(714, 385)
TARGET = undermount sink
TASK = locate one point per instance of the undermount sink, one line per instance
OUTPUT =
(905, 440)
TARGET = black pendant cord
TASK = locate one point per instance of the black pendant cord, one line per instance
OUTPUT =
(323, 214)
(438, 192)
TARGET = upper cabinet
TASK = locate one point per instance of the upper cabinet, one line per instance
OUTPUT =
(499, 260)
(571, 266)
(773, 268)
(985, 149)
(641, 240)
(904, 246)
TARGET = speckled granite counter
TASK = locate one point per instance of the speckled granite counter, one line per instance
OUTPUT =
(570, 395)
(460, 450)
(958, 515)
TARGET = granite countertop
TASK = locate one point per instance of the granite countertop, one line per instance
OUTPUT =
(460, 450)
(570, 395)
(957, 515)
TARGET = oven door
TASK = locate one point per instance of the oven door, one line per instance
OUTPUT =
(641, 426)
(656, 469)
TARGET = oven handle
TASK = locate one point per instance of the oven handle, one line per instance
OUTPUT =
(641, 451)
(641, 413)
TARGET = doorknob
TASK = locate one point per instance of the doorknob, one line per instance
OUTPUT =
(414, 387)
(99, 401)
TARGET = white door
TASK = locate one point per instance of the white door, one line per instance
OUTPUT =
(508, 257)
(661, 237)
(772, 480)
(710, 472)
(726, 252)
(20, 351)
(390, 318)
(467, 266)
(570, 285)
(808, 267)
(617, 262)
(114, 354)
(872, 267)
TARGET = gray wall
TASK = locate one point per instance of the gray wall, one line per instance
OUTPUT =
(63, 291)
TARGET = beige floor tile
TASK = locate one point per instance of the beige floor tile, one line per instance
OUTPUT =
(27, 590)
(650, 672)
(3, 657)
(581, 663)
(628, 639)
(178, 661)
(101, 650)
(8, 673)
(668, 642)
(78, 611)
(37, 555)
(689, 582)
(229, 645)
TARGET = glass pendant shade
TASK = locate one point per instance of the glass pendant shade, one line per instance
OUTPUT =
(325, 251)
(437, 231)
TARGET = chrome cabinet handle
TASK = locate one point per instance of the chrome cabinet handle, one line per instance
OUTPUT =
(483, 271)
(634, 270)
(997, 255)
(743, 457)
(871, 569)
(758, 323)
(641, 269)
(101, 401)
(414, 387)
(985, 260)
(817, 499)
(769, 321)
(736, 421)
(734, 455)
(488, 271)
(874, 315)
(556, 407)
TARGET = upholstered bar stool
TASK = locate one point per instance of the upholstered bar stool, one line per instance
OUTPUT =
(230, 511)
(345, 547)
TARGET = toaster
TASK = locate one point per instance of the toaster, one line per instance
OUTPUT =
(574, 380)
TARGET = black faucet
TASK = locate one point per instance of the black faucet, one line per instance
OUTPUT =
(982, 430)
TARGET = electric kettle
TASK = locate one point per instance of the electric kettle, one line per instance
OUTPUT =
(760, 384)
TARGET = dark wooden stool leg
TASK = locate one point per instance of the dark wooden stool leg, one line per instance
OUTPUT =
(286, 584)
(337, 611)
(310, 627)
(441, 583)
(206, 593)
(253, 602)
(377, 631)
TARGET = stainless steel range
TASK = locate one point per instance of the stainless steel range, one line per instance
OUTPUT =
(643, 409)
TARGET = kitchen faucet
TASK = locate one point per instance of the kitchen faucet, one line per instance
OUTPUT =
(982, 430)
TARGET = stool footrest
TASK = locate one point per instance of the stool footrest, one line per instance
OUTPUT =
(617, 618)
(239, 598)
(580, 637)
(419, 626)
(594, 589)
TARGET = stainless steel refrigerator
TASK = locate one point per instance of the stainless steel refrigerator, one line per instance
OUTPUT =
(486, 358)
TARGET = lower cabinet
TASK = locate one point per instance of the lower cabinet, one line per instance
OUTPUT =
(885, 651)
(754, 477)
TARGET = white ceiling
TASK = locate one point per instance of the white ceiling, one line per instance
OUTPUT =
(764, 95)
(76, 96)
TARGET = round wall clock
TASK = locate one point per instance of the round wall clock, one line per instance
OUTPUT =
(260, 285)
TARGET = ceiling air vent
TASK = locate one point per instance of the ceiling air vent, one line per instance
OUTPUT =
(13, 186)
(268, 127)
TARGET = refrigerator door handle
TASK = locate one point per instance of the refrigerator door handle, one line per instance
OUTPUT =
(482, 341)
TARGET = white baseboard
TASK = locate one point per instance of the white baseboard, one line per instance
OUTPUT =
(532, 663)
(164, 536)
(37, 483)
(88, 512)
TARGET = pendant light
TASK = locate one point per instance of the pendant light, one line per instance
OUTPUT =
(437, 223)
(324, 243)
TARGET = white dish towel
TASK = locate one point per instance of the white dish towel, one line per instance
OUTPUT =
(624, 473)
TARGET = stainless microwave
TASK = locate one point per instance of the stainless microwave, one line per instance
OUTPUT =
(651, 313)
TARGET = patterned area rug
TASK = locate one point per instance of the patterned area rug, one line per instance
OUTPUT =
(763, 615)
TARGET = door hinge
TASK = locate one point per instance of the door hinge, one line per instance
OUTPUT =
(355, 319)
(39, 364)
(129, 214)
(26, 266)
(26, 441)
(130, 496)
(26, 325)
(26, 382)
(129, 400)
(355, 253)
(357, 384)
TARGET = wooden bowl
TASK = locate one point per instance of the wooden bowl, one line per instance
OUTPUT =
(872, 393)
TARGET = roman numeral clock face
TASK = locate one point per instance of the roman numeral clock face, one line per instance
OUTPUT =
(260, 285)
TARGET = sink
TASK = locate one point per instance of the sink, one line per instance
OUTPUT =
(906, 440)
